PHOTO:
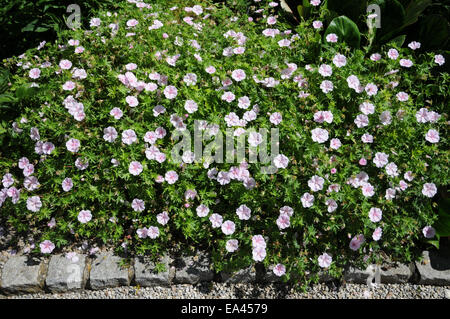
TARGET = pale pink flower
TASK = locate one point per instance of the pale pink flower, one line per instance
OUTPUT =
(371, 89)
(271, 20)
(116, 113)
(315, 2)
(202, 210)
(171, 177)
(243, 212)
(366, 138)
(190, 106)
(325, 70)
(408, 176)
(317, 24)
(287, 210)
(84, 216)
(135, 168)
(243, 102)
(34, 73)
(232, 245)
(163, 218)
(367, 108)
(138, 205)
(325, 260)
(284, 43)
(68, 86)
(228, 227)
(258, 241)
(326, 86)
(406, 63)
(110, 134)
(375, 57)
(368, 190)
(353, 83)
(279, 270)
(73, 145)
(393, 54)
(439, 59)
(216, 220)
(414, 45)
(331, 205)
(170, 92)
(28, 170)
(238, 75)
(254, 139)
(153, 232)
(375, 214)
(30, 183)
(380, 159)
(34, 203)
(132, 23)
(429, 189)
(81, 163)
(47, 247)
(319, 135)
(67, 184)
(281, 161)
(335, 143)
(132, 101)
(429, 232)
(283, 221)
(402, 96)
(391, 169)
(432, 136)
(323, 116)
(339, 60)
(259, 254)
(142, 232)
(95, 22)
(190, 79)
(376, 235)
(210, 69)
(228, 96)
(332, 38)
(65, 64)
(307, 200)
(315, 183)
(356, 242)
(390, 194)
(129, 137)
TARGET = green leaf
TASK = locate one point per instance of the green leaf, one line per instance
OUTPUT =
(434, 31)
(353, 9)
(442, 225)
(414, 10)
(346, 30)
(7, 98)
(399, 40)
(392, 18)
(30, 26)
(25, 92)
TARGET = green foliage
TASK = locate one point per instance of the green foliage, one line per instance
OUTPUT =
(27, 23)
(107, 188)
(346, 30)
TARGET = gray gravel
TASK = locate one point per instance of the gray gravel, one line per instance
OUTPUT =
(242, 291)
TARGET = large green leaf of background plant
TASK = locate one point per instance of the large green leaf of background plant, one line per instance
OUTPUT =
(434, 31)
(346, 30)
(353, 9)
(392, 18)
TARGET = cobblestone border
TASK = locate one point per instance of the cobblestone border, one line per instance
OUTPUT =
(21, 274)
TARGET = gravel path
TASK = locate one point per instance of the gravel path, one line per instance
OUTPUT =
(242, 291)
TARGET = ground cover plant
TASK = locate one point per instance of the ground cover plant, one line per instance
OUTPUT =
(100, 152)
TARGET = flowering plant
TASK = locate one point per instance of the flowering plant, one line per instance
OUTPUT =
(362, 143)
